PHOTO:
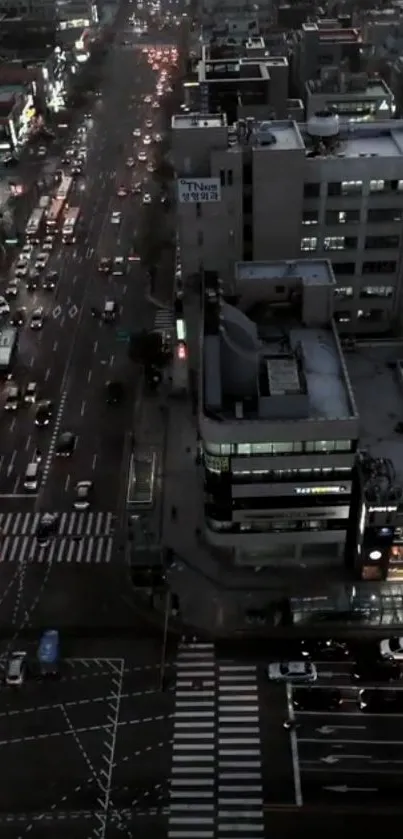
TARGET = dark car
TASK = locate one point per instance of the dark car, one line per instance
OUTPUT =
(326, 649)
(47, 527)
(19, 317)
(115, 392)
(44, 413)
(33, 281)
(380, 701)
(376, 670)
(66, 444)
(312, 699)
(105, 265)
(50, 280)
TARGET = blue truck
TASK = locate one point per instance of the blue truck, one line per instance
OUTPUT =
(48, 653)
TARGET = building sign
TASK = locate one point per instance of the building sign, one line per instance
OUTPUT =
(200, 191)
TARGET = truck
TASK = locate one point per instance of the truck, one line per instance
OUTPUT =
(48, 653)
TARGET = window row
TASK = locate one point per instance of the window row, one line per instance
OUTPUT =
(333, 217)
(382, 266)
(369, 315)
(335, 188)
(293, 447)
(367, 291)
(342, 243)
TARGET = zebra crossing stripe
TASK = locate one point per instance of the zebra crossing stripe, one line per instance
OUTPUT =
(164, 320)
(69, 524)
(88, 550)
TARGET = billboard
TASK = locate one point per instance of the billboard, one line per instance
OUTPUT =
(199, 191)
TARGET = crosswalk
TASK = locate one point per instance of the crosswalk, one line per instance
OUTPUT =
(80, 538)
(164, 320)
(216, 789)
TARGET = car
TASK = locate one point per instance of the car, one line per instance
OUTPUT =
(142, 156)
(16, 668)
(157, 138)
(48, 243)
(65, 444)
(150, 167)
(105, 265)
(121, 192)
(146, 139)
(84, 490)
(50, 280)
(130, 162)
(380, 701)
(47, 527)
(136, 132)
(48, 653)
(37, 318)
(137, 188)
(26, 251)
(155, 105)
(77, 169)
(311, 699)
(292, 671)
(44, 413)
(149, 123)
(75, 142)
(116, 217)
(42, 151)
(119, 266)
(41, 261)
(33, 280)
(30, 393)
(13, 398)
(21, 270)
(148, 99)
(147, 198)
(326, 649)
(377, 670)
(19, 317)
(392, 648)
(12, 288)
(4, 306)
(109, 311)
(115, 392)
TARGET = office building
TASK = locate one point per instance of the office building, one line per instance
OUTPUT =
(277, 418)
(321, 45)
(274, 190)
(353, 97)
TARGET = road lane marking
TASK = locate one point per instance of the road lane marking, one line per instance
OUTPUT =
(73, 311)
(57, 312)
(55, 346)
(355, 742)
(52, 445)
(83, 408)
(89, 376)
(94, 461)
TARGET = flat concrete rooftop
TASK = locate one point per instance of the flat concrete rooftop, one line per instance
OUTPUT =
(379, 398)
(377, 139)
(309, 270)
(195, 120)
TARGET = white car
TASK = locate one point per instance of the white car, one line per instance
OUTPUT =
(147, 140)
(41, 261)
(15, 668)
(136, 132)
(157, 138)
(26, 252)
(42, 151)
(146, 198)
(12, 289)
(37, 318)
(392, 648)
(147, 99)
(21, 270)
(292, 671)
(4, 307)
(48, 243)
(142, 156)
(150, 167)
(116, 217)
(149, 123)
(83, 495)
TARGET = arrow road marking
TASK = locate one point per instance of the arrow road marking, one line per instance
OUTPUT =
(327, 729)
(345, 788)
(73, 311)
(57, 312)
(334, 759)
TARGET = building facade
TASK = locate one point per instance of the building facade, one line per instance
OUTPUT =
(273, 190)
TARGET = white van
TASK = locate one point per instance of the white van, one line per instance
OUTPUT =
(110, 309)
(31, 480)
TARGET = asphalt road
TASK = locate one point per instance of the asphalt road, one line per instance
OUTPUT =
(75, 354)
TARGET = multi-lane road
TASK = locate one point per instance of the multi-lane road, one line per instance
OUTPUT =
(75, 354)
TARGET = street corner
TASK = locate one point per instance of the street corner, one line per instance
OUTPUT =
(74, 716)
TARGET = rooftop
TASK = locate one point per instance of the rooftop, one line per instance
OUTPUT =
(272, 357)
(284, 135)
(377, 382)
(194, 120)
(375, 139)
(356, 85)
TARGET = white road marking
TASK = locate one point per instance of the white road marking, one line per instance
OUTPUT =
(94, 461)
(83, 408)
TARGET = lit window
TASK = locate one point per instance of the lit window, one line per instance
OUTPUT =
(310, 217)
(343, 292)
(376, 291)
(334, 243)
(351, 187)
(376, 186)
(309, 243)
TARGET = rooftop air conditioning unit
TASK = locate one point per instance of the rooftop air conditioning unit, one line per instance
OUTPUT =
(324, 125)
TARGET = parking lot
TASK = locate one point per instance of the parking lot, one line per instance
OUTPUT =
(97, 739)
(333, 758)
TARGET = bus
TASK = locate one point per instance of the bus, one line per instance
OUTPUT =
(54, 213)
(70, 224)
(8, 348)
(63, 189)
(44, 202)
(34, 226)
